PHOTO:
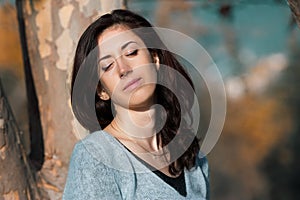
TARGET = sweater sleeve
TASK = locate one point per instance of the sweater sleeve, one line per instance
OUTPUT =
(204, 167)
(88, 178)
(203, 163)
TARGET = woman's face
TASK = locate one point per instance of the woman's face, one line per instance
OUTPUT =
(127, 72)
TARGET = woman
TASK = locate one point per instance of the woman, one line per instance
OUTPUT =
(144, 147)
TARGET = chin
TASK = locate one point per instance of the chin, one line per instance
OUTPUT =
(142, 99)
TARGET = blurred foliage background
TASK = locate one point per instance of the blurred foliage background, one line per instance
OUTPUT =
(256, 46)
(11, 66)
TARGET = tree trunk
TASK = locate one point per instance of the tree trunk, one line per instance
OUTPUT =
(16, 179)
(53, 29)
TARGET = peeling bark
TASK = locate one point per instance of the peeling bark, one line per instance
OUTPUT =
(53, 29)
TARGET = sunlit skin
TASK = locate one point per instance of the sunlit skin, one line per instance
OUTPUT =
(126, 69)
(128, 74)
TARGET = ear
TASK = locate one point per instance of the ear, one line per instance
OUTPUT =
(156, 61)
(103, 95)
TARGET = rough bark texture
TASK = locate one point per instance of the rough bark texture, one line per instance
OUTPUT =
(53, 29)
(16, 179)
(36, 155)
(295, 8)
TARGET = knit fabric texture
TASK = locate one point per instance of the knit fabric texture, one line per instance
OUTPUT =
(102, 168)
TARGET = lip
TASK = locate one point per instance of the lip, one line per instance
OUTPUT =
(131, 85)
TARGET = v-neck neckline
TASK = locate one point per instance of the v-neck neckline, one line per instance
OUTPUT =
(146, 169)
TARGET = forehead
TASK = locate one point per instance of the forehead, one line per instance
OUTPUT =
(114, 37)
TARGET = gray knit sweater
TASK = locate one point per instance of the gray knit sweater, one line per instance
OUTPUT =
(102, 168)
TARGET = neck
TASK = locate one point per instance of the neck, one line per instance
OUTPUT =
(135, 126)
(137, 131)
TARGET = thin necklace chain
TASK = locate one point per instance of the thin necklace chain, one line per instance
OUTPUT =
(152, 153)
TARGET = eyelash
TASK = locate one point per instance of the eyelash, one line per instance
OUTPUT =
(106, 67)
(133, 53)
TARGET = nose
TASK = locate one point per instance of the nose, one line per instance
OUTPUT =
(124, 68)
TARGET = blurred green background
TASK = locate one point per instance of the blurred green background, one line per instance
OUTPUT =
(256, 46)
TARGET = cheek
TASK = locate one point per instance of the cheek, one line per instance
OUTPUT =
(107, 84)
(110, 81)
(151, 75)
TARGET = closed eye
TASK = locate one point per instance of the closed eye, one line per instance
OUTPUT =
(105, 68)
(132, 53)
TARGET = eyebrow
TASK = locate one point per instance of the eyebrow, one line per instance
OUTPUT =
(122, 48)
(126, 44)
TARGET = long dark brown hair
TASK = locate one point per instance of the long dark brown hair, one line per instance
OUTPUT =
(175, 124)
